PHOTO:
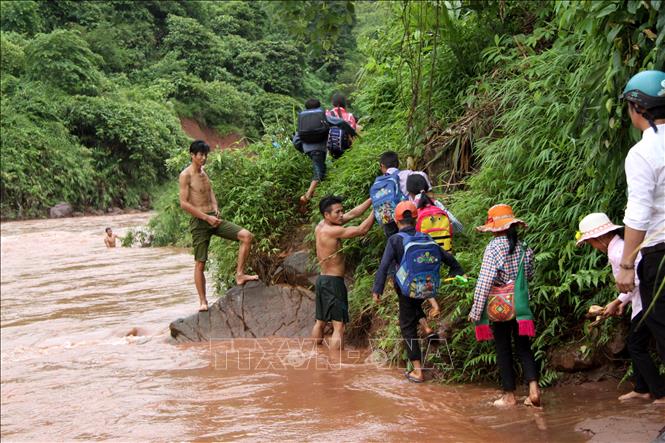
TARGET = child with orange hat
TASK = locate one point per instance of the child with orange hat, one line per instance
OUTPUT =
(507, 261)
(598, 231)
(419, 285)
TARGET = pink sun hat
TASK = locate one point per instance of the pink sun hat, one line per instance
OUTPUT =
(593, 226)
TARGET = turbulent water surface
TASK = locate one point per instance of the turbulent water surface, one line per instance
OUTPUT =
(86, 355)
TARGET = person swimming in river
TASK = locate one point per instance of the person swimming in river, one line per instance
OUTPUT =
(198, 198)
(331, 297)
(110, 238)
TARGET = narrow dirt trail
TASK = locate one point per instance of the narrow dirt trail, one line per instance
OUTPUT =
(211, 136)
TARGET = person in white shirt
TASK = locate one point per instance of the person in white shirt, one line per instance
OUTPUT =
(645, 212)
(598, 231)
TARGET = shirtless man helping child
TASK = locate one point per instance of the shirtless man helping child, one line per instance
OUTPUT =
(198, 198)
(331, 297)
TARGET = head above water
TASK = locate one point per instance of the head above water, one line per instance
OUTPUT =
(387, 160)
(199, 146)
(338, 100)
(312, 103)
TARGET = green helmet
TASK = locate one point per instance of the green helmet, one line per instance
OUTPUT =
(646, 88)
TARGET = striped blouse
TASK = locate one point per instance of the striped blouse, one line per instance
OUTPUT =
(498, 268)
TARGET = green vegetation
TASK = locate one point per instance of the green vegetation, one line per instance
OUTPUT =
(92, 91)
(500, 101)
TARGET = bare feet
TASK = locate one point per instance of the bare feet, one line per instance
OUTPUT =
(302, 206)
(507, 400)
(534, 395)
(241, 279)
(659, 401)
(203, 307)
(634, 395)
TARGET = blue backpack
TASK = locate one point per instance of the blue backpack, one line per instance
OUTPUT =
(418, 274)
(385, 194)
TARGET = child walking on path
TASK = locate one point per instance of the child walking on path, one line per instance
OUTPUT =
(410, 309)
(501, 263)
(418, 189)
(598, 231)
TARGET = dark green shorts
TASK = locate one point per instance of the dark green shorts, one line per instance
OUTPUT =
(202, 232)
(331, 299)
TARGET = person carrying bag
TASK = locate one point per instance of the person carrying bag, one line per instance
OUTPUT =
(502, 297)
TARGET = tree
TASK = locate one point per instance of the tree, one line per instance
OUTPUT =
(64, 60)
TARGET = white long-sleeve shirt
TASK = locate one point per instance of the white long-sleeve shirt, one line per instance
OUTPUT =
(645, 174)
(404, 175)
(614, 253)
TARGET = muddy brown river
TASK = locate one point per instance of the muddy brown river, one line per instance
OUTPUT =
(70, 372)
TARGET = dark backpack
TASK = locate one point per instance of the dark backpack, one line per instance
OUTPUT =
(313, 126)
(418, 274)
(338, 139)
(297, 143)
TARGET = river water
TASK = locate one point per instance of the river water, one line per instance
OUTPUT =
(70, 371)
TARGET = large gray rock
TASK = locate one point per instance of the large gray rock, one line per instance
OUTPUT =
(61, 210)
(299, 269)
(251, 311)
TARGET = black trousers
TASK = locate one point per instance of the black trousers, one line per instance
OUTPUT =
(647, 378)
(651, 278)
(410, 312)
(504, 334)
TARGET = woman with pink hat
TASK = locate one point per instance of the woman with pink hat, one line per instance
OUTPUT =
(598, 231)
(507, 264)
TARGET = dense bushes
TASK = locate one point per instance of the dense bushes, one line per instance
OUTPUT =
(556, 144)
(64, 60)
(229, 65)
(129, 140)
(28, 150)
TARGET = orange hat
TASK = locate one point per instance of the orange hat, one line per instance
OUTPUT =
(404, 206)
(499, 218)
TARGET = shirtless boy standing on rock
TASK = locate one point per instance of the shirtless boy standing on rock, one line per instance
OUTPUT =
(331, 297)
(198, 198)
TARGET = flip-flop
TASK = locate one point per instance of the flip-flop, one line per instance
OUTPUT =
(411, 378)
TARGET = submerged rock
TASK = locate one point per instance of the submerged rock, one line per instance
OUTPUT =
(251, 311)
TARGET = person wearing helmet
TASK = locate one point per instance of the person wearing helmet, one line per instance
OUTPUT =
(644, 218)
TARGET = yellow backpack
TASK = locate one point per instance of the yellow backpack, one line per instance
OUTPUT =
(434, 221)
